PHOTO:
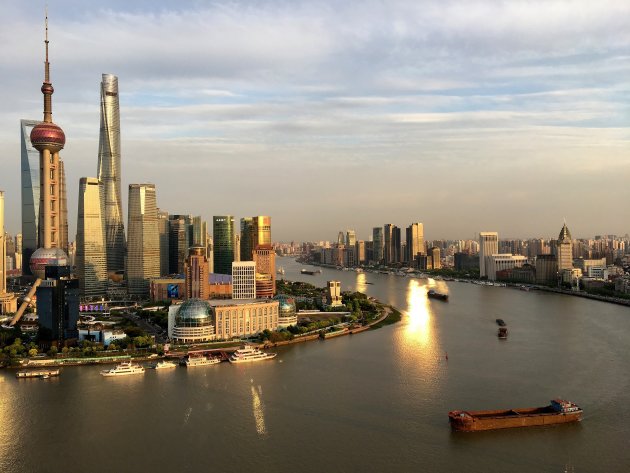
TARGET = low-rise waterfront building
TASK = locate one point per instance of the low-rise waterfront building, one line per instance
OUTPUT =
(197, 321)
(287, 313)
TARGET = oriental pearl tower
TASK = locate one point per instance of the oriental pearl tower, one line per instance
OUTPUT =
(48, 139)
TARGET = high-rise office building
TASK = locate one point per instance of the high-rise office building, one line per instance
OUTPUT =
(265, 259)
(247, 239)
(243, 280)
(377, 245)
(197, 273)
(164, 236)
(143, 259)
(262, 230)
(30, 193)
(91, 256)
(210, 253)
(223, 237)
(109, 172)
(488, 246)
(396, 245)
(351, 250)
(18, 251)
(199, 232)
(564, 250)
(178, 242)
(58, 304)
(415, 241)
(8, 302)
(237, 247)
(254, 231)
(341, 238)
(388, 238)
(48, 138)
(435, 259)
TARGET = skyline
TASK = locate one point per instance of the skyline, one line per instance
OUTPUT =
(392, 118)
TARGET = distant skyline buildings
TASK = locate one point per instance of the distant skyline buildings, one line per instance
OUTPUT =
(109, 172)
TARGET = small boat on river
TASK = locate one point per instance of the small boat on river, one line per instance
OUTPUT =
(501, 323)
(433, 294)
(502, 333)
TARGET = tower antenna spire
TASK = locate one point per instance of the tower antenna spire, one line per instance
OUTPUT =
(47, 67)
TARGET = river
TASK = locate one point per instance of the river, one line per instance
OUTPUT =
(376, 401)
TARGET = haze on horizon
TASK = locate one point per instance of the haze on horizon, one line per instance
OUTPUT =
(464, 115)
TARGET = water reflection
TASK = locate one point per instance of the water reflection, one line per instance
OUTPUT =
(418, 327)
(361, 282)
(257, 408)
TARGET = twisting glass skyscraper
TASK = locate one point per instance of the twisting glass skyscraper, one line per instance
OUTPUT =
(109, 173)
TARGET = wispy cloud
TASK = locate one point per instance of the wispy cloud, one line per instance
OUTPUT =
(350, 97)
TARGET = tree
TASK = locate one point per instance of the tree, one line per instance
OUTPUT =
(32, 352)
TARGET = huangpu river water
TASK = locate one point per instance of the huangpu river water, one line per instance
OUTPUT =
(376, 401)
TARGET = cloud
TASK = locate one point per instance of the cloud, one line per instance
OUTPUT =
(352, 98)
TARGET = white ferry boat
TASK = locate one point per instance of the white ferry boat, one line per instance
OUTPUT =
(123, 369)
(163, 364)
(249, 353)
(200, 361)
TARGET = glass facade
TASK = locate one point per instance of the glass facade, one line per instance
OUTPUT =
(143, 256)
(91, 257)
(30, 192)
(223, 237)
(109, 173)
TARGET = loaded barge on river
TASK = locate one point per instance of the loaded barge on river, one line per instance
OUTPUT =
(558, 412)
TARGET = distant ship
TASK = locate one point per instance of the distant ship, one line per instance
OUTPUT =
(437, 295)
(558, 412)
(311, 273)
(502, 333)
(281, 270)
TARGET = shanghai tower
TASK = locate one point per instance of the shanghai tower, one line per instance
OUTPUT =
(109, 173)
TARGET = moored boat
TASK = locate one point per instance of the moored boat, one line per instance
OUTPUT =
(193, 361)
(249, 353)
(558, 411)
(43, 374)
(123, 369)
(163, 364)
(433, 294)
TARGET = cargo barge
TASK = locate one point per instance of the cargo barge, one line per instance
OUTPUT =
(558, 412)
(437, 295)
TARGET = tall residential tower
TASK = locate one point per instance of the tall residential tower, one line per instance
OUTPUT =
(109, 173)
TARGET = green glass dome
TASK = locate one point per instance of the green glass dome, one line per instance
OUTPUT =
(286, 305)
(194, 313)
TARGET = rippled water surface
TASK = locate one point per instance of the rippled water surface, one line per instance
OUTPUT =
(376, 401)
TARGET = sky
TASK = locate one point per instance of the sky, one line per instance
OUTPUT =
(467, 116)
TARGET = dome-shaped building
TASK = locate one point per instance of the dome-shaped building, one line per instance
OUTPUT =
(47, 257)
(287, 312)
(194, 322)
